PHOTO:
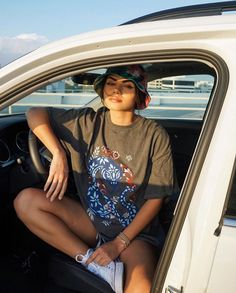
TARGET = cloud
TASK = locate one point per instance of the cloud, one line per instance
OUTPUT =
(14, 47)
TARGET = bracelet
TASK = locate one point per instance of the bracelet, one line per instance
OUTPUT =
(124, 239)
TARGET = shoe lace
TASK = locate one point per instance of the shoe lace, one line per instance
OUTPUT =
(96, 267)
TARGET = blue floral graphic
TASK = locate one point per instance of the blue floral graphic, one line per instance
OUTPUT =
(109, 189)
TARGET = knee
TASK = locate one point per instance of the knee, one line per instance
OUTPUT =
(23, 202)
(138, 281)
(138, 285)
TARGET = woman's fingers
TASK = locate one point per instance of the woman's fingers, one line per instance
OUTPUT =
(56, 183)
(100, 259)
(102, 255)
(54, 190)
(55, 186)
(63, 190)
(58, 190)
(48, 182)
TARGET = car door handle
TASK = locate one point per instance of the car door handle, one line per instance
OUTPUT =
(171, 289)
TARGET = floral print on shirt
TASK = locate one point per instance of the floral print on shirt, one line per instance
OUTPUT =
(111, 191)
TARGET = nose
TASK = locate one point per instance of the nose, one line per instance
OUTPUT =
(117, 88)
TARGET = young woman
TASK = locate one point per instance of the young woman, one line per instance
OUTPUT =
(122, 167)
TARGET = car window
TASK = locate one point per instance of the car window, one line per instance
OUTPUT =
(231, 205)
(172, 97)
(179, 97)
(64, 93)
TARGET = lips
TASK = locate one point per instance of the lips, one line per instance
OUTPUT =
(114, 99)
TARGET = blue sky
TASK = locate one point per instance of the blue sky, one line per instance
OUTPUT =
(26, 24)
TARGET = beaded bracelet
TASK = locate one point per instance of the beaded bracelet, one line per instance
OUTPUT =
(124, 239)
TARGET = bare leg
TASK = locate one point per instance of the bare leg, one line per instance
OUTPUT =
(140, 260)
(62, 223)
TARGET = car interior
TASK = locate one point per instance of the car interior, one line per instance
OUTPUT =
(181, 92)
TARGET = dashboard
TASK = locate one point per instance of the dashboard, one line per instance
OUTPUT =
(16, 168)
(13, 140)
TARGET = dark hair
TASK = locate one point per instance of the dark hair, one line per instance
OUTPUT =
(141, 98)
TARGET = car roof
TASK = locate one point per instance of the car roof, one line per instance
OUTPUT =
(207, 9)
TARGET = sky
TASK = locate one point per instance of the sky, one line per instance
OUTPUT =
(26, 25)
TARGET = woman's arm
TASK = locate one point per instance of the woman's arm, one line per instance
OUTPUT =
(56, 183)
(145, 215)
(111, 250)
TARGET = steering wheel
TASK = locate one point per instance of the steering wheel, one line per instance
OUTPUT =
(40, 155)
(41, 158)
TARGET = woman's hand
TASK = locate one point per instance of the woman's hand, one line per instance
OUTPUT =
(58, 176)
(107, 252)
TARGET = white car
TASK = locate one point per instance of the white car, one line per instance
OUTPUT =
(189, 55)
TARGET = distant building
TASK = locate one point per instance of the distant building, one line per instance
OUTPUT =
(181, 83)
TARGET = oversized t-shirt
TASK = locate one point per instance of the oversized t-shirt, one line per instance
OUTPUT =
(116, 168)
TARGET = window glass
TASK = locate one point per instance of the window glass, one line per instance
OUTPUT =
(65, 93)
(231, 206)
(179, 97)
(172, 97)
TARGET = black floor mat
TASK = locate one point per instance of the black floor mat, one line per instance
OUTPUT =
(19, 273)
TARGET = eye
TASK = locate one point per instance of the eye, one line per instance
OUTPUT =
(129, 86)
(110, 82)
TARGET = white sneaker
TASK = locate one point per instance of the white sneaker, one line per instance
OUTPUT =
(111, 273)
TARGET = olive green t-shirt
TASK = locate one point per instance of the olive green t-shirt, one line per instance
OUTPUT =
(116, 168)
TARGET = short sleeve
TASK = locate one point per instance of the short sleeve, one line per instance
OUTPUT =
(72, 126)
(160, 182)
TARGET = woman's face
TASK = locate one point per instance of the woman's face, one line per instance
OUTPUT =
(119, 94)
